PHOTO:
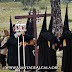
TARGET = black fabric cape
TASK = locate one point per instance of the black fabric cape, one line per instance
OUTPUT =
(67, 52)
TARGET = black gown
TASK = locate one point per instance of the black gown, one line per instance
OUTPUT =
(44, 58)
(11, 44)
(21, 56)
(29, 55)
(30, 58)
(67, 52)
(53, 51)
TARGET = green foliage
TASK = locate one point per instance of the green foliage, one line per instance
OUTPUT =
(8, 0)
(44, 3)
(70, 20)
(3, 0)
(66, 0)
(29, 2)
(25, 8)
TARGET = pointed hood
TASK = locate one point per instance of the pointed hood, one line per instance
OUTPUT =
(44, 34)
(50, 25)
(43, 29)
(11, 28)
(28, 21)
(30, 30)
(66, 26)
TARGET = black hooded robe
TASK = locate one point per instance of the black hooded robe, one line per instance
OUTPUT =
(54, 44)
(66, 40)
(11, 44)
(67, 52)
(44, 58)
(29, 54)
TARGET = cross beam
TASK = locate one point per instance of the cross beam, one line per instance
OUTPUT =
(30, 16)
(35, 29)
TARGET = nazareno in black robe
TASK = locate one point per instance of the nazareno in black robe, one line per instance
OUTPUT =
(29, 49)
(11, 44)
(44, 57)
(54, 44)
(66, 40)
(67, 52)
(29, 35)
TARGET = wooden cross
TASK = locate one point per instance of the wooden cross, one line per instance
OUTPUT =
(35, 28)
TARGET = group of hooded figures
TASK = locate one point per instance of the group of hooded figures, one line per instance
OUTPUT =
(48, 45)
